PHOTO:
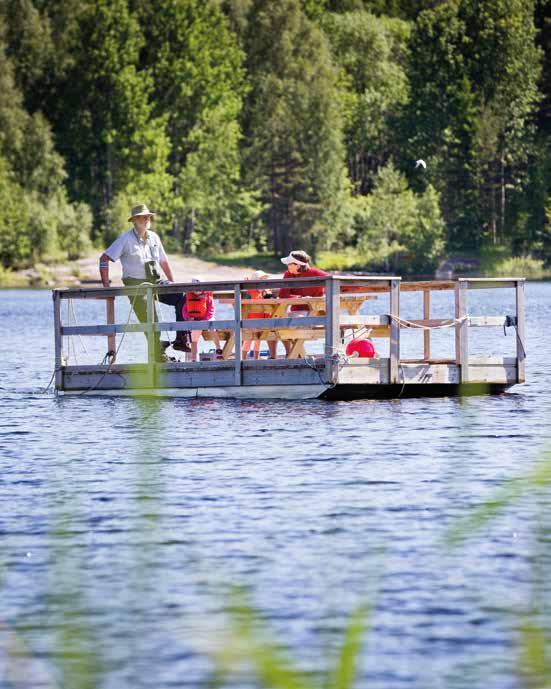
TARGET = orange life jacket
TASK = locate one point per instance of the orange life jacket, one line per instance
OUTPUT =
(196, 304)
(256, 294)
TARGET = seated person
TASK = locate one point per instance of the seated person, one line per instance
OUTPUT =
(199, 306)
(299, 266)
(258, 294)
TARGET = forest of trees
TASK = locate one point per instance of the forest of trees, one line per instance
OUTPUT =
(277, 125)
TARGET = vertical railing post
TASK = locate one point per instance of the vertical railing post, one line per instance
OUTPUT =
(426, 317)
(150, 334)
(110, 319)
(332, 328)
(462, 330)
(521, 354)
(394, 361)
(58, 341)
(238, 334)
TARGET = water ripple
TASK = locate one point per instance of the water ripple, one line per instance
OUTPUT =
(127, 521)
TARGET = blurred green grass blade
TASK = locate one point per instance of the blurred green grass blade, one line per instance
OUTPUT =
(343, 676)
(81, 664)
(503, 497)
(534, 663)
(275, 670)
(249, 646)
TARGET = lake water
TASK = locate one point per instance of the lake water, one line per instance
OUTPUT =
(125, 522)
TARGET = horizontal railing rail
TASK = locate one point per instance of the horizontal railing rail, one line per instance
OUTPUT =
(219, 287)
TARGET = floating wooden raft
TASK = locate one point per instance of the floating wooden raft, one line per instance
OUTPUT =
(329, 375)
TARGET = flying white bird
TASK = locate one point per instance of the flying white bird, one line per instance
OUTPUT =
(420, 163)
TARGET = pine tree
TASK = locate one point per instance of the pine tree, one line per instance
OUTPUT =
(371, 54)
(197, 70)
(110, 138)
(473, 75)
(294, 140)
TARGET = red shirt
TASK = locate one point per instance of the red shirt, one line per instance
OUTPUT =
(295, 291)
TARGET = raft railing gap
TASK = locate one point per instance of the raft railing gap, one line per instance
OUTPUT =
(332, 369)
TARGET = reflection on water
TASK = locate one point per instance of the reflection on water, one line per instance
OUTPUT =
(125, 522)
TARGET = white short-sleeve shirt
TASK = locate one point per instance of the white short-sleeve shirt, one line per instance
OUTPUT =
(134, 252)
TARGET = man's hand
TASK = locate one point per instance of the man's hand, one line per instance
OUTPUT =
(104, 269)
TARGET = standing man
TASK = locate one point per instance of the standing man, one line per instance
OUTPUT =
(141, 252)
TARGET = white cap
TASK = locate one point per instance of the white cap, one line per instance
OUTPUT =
(260, 275)
(290, 259)
(197, 278)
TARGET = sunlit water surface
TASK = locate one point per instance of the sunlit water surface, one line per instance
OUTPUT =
(124, 523)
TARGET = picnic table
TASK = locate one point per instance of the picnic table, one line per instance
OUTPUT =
(278, 308)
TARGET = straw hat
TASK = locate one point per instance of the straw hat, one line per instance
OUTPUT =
(140, 209)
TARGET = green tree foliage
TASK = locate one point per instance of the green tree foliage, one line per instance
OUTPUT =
(38, 217)
(15, 245)
(295, 151)
(28, 35)
(398, 227)
(197, 69)
(438, 123)
(473, 71)
(112, 142)
(532, 229)
(274, 122)
(371, 53)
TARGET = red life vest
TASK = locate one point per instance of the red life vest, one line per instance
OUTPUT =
(196, 305)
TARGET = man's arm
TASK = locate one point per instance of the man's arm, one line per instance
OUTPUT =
(165, 265)
(104, 260)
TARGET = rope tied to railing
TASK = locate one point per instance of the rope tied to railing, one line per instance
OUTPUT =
(451, 323)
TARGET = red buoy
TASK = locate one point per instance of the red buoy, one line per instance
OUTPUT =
(361, 348)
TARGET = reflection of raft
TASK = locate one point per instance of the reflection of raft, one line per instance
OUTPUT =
(330, 374)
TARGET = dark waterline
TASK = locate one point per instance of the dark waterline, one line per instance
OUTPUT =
(125, 521)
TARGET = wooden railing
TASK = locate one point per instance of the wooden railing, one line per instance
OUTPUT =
(331, 322)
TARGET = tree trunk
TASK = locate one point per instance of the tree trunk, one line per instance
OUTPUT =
(109, 177)
(502, 204)
(493, 221)
(189, 227)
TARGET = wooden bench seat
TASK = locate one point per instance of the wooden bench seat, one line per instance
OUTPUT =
(296, 336)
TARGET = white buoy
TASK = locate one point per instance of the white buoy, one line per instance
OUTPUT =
(420, 163)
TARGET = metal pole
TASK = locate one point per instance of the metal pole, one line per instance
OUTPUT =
(462, 331)
(150, 334)
(58, 343)
(237, 331)
(332, 328)
(394, 362)
(426, 333)
(521, 354)
(110, 319)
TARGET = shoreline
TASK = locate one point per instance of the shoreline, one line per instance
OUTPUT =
(84, 272)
